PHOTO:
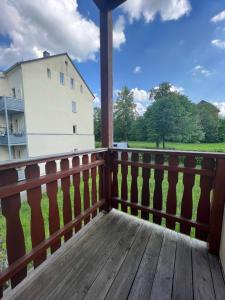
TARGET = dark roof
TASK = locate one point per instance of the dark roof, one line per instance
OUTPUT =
(203, 102)
(48, 57)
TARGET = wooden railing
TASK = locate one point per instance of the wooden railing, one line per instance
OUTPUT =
(185, 191)
(79, 174)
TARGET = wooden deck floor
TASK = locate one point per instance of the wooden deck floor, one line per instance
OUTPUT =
(117, 256)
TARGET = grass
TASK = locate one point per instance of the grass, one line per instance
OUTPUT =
(25, 213)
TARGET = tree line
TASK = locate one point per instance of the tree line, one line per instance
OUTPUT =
(170, 117)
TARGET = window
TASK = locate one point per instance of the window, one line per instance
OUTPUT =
(72, 83)
(61, 78)
(74, 107)
(81, 88)
(74, 129)
(49, 73)
(14, 93)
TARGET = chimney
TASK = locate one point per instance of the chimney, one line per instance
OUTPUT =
(46, 54)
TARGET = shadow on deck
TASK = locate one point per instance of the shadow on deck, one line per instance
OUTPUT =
(117, 256)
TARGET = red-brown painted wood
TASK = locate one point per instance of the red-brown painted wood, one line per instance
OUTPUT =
(93, 184)
(52, 189)
(115, 189)
(124, 188)
(14, 232)
(145, 194)
(86, 198)
(34, 197)
(171, 204)
(77, 196)
(134, 184)
(206, 184)
(187, 200)
(217, 208)
(158, 196)
(65, 185)
(100, 180)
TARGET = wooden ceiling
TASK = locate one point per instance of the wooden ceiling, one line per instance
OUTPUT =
(108, 4)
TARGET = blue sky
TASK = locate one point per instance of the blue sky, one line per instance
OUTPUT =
(178, 41)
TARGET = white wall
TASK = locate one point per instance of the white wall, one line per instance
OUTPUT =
(222, 244)
(4, 154)
(4, 86)
(48, 108)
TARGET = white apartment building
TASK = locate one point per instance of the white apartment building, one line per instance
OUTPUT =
(46, 107)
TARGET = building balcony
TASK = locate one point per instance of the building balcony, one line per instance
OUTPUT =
(13, 139)
(12, 105)
(163, 245)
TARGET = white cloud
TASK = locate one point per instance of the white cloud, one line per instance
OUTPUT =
(200, 70)
(219, 43)
(56, 26)
(118, 34)
(141, 108)
(167, 9)
(140, 95)
(221, 107)
(219, 17)
(97, 101)
(175, 88)
(137, 70)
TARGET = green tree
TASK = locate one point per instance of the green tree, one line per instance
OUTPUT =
(138, 130)
(97, 123)
(209, 120)
(163, 90)
(221, 130)
(173, 118)
(124, 114)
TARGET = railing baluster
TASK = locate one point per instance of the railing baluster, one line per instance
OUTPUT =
(145, 195)
(94, 185)
(134, 186)
(100, 178)
(52, 189)
(158, 197)
(14, 232)
(115, 192)
(124, 171)
(206, 184)
(34, 197)
(187, 200)
(77, 196)
(67, 210)
(171, 204)
(86, 187)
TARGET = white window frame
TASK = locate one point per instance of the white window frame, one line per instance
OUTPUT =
(72, 83)
(74, 129)
(74, 107)
(61, 78)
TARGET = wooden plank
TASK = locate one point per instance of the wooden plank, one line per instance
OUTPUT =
(124, 188)
(217, 208)
(34, 197)
(182, 282)
(89, 263)
(37, 282)
(163, 282)
(77, 196)
(171, 203)
(115, 188)
(206, 184)
(217, 276)
(14, 232)
(86, 197)
(67, 209)
(121, 285)
(134, 183)
(187, 200)
(142, 285)
(52, 189)
(202, 278)
(100, 283)
(158, 196)
(93, 184)
(145, 193)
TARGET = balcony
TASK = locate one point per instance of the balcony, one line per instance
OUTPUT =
(161, 246)
(12, 105)
(13, 140)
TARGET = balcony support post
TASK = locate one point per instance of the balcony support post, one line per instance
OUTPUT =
(7, 128)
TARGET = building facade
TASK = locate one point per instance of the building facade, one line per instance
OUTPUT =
(45, 107)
